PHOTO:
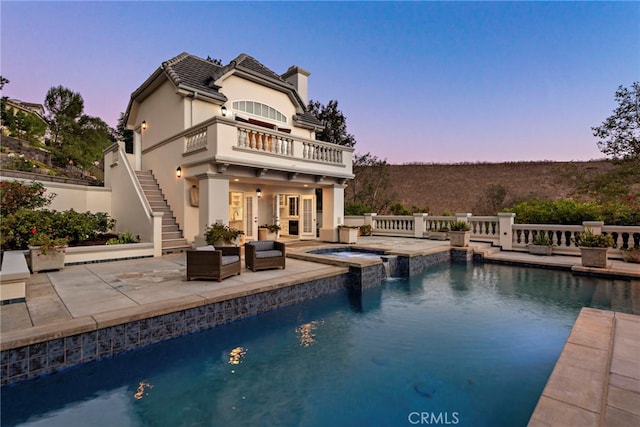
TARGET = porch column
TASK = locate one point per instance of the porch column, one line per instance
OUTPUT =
(137, 150)
(214, 202)
(332, 212)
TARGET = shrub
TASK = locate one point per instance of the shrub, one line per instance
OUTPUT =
(221, 232)
(459, 226)
(541, 238)
(537, 211)
(354, 208)
(123, 239)
(17, 195)
(588, 239)
(365, 230)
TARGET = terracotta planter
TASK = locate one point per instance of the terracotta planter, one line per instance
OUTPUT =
(459, 238)
(52, 260)
(540, 250)
(594, 257)
(348, 235)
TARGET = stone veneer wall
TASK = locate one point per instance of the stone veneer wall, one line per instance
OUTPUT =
(35, 360)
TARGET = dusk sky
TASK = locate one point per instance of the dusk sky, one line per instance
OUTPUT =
(418, 81)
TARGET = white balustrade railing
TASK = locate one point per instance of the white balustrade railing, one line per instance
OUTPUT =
(321, 152)
(251, 139)
(485, 228)
(393, 225)
(437, 223)
(624, 237)
(501, 231)
(195, 140)
(563, 237)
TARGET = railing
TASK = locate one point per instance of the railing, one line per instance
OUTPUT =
(321, 152)
(485, 228)
(562, 237)
(195, 140)
(500, 230)
(251, 139)
(392, 225)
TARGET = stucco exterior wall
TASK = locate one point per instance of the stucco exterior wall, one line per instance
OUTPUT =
(238, 89)
(80, 198)
(163, 111)
(127, 206)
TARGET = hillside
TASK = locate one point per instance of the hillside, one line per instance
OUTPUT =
(463, 187)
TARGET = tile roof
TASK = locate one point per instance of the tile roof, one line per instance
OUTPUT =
(195, 74)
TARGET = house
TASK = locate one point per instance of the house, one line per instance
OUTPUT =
(235, 144)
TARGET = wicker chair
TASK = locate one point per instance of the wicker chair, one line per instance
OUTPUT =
(264, 254)
(210, 263)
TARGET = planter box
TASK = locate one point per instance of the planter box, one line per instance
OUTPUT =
(594, 257)
(459, 238)
(348, 235)
(632, 256)
(540, 249)
(265, 234)
(52, 260)
(438, 235)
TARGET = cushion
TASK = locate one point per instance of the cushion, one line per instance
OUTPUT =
(268, 254)
(230, 259)
(263, 245)
(206, 248)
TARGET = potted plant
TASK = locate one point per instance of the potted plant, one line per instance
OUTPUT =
(459, 233)
(222, 235)
(47, 252)
(631, 254)
(268, 232)
(593, 248)
(348, 233)
(541, 244)
(366, 230)
(441, 233)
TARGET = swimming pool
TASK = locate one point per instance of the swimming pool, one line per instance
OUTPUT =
(468, 343)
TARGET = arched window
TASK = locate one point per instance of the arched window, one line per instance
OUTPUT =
(260, 110)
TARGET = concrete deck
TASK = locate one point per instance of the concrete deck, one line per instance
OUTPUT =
(596, 381)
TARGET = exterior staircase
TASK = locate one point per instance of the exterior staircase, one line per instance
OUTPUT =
(172, 238)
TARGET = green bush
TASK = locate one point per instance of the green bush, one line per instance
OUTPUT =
(566, 212)
(123, 239)
(563, 212)
(354, 208)
(22, 217)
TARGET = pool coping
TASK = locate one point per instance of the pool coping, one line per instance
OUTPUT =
(596, 380)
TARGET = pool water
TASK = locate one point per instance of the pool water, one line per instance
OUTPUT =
(463, 343)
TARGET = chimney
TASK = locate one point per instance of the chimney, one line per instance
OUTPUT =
(298, 78)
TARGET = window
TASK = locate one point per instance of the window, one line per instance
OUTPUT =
(259, 109)
(293, 206)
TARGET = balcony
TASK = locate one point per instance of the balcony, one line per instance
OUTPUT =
(242, 143)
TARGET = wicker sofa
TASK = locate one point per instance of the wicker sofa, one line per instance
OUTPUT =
(263, 254)
(218, 263)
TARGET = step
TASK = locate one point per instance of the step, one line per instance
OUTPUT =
(169, 235)
(170, 228)
(174, 243)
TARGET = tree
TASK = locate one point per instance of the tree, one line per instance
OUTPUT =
(3, 81)
(369, 188)
(619, 134)
(123, 134)
(334, 122)
(74, 136)
(64, 109)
